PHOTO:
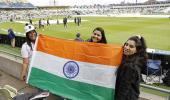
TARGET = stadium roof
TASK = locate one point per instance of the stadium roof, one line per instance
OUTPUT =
(13, 1)
(13, 4)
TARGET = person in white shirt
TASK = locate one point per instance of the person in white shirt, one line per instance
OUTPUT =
(27, 49)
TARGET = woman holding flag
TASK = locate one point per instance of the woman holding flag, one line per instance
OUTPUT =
(98, 36)
(27, 49)
(129, 72)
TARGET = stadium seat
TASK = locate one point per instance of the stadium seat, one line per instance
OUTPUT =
(7, 92)
(154, 71)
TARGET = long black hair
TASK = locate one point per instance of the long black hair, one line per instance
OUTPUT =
(103, 40)
(141, 54)
(28, 40)
(140, 45)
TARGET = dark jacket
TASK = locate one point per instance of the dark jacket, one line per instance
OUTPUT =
(89, 40)
(79, 39)
(11, 34)
(128, 78)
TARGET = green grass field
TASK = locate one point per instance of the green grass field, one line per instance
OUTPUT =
(155, 30)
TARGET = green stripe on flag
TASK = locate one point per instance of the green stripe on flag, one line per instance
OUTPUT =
(68, 88)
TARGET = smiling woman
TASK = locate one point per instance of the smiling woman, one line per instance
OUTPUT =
(129, 72)
(27, 49)
(98, 36)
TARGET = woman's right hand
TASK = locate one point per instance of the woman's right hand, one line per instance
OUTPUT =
(23, 77)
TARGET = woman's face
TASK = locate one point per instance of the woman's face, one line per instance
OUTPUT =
(96, 36)
(32, 35)
(129, 48)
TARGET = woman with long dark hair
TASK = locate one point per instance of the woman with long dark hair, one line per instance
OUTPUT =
(129, 72)
(98, 36)
(27, 49)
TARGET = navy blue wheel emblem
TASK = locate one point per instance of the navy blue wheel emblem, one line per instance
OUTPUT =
(71, 69)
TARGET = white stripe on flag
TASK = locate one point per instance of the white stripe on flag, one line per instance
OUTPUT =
(96, 74)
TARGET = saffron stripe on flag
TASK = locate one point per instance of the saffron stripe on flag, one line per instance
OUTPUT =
(81, 51)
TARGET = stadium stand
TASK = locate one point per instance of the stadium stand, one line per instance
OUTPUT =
(22, 9)
(15, 4)
(142, 8)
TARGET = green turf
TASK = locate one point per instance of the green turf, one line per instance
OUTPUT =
(154, 92)
(155, 30)
(161, 86)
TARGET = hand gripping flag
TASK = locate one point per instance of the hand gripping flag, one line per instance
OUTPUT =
(75, 70)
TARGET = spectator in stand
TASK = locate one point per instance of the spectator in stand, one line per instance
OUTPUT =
(11, 36)
(98, 36)
(78, 37)
(129, 72)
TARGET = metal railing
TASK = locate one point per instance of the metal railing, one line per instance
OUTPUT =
(157, 89)
(11, 54)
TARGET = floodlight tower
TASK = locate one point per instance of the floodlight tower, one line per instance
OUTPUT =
(54, 2)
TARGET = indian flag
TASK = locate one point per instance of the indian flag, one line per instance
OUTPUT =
(75, 70)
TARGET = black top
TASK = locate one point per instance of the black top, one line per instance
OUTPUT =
(128, 78)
